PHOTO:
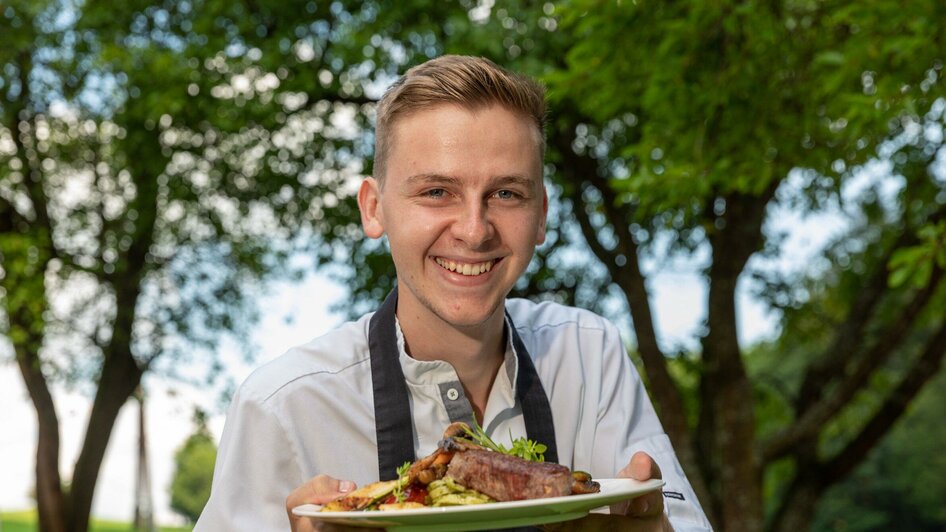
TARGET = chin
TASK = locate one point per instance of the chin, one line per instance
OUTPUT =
(463, 318)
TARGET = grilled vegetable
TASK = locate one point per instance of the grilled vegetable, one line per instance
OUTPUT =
(362, 497)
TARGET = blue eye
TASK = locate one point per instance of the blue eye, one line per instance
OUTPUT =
(435, 193)
(506, 194)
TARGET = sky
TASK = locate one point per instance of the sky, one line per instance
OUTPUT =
(679, 297)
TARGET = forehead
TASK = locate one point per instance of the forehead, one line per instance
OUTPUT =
(460, 142)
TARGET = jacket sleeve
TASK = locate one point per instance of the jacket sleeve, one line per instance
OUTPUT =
(251, 478)
(627, 423)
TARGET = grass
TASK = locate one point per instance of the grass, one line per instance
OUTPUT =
(25, 521)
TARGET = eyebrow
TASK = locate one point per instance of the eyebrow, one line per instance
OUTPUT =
(426, 179)
(504, 180)
(516, 179)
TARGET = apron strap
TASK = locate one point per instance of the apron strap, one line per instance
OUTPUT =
(536, 410)
(392, 407)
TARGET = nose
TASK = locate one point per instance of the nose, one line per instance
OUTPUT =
(473, 225)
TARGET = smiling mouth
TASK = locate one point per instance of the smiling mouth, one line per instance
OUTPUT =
(465, 268)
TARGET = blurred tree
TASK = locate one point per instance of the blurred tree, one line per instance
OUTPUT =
(726, 115)
(900, 486)
(211, 131)
(157, 159)
(686, 131)
(193, 471)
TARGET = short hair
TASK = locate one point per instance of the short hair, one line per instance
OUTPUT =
(470, 82)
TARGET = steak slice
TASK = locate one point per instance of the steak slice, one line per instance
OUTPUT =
(509, 478)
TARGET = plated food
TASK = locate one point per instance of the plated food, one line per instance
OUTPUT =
(469, 468)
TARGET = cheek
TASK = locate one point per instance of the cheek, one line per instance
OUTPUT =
(414, 234)
(526, 229)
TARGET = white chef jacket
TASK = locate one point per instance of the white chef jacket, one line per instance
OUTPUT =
(311, 411)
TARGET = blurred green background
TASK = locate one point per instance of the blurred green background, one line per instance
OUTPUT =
(162, 164)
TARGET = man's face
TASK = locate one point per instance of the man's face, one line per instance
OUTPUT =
(463, 205)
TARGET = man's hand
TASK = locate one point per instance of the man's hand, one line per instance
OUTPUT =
(648, 509)
(644, 513)
(318, 490)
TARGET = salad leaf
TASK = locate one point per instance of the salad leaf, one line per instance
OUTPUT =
(521, 447)
(401, 481)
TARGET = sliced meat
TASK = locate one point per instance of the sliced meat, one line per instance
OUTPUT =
(509, 478)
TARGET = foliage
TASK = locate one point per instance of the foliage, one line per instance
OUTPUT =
(158, 157)
(683, 132)
(900, 485)
(193, 472)
(157, 161)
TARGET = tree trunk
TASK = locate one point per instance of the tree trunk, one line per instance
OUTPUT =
(727, 430)
(144, 503)
(121, 375)
(119, 380)
(49, 496)
(797, 507)
(24, 281)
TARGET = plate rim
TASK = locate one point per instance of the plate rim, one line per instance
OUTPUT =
(635, 488)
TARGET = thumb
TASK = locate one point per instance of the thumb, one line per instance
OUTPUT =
(319, 490)
(641, 467)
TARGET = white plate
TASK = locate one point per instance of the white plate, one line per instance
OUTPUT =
(491, 515)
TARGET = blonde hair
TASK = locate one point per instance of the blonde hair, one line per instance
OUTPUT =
(470, 82)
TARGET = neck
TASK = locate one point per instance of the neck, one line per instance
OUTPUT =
(475, 352)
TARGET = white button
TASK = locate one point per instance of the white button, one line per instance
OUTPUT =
(453, 394)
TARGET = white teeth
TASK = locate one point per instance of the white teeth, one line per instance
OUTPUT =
(466, 268)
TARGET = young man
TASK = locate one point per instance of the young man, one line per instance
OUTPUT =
(458, 191)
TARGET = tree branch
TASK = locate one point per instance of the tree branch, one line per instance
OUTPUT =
(35, 188)
(580, 168)
(850, 335)
(889, 339)
(925, 367)
(669, 402)
(9, 217)
(813, 409)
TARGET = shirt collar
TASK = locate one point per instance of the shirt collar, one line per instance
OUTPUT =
(427, 372)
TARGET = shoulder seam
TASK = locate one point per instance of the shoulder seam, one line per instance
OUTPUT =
(309, 374)
(596, 327)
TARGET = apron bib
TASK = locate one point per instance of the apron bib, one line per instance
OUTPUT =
(393, 423)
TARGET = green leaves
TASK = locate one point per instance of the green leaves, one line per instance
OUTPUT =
(193, 473)
(402, 480)
(913, 266)
(521, 447)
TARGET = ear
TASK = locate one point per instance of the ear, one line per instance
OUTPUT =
(369, 203)
(540, 234)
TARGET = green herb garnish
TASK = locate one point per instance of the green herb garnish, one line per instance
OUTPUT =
(521, 447)
(401, 481)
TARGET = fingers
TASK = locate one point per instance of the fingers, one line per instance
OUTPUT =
(641, 467)
(318, 490)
